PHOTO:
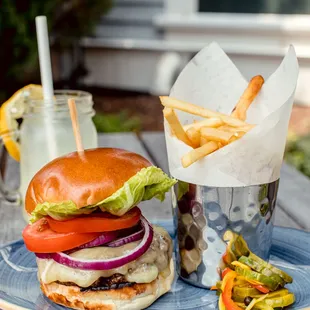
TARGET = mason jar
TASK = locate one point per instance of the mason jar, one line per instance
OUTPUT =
(46, 133)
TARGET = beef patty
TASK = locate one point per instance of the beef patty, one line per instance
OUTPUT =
(116, 281)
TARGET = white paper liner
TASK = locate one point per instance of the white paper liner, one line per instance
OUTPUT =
(211, 80)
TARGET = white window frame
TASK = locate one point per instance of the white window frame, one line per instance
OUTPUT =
(269, 34)
(181, 6)
(187, 7)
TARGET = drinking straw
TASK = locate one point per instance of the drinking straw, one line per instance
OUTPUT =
(75, 126)
(46, 80)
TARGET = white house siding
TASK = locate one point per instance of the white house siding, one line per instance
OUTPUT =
(143, 44)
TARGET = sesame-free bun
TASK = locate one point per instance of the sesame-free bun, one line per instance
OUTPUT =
(85, 179)
(136, 297)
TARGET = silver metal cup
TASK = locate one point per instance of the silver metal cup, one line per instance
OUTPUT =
(203, 214)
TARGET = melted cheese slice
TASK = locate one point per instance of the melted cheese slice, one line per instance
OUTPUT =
(143, 270)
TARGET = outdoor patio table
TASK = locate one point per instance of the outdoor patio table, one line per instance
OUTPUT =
(293, 204)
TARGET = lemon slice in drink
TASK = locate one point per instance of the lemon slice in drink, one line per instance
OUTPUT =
(13, 109)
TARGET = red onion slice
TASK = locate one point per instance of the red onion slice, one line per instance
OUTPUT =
(44, 255)
(131, 238)
(106, 237)
(107, 264)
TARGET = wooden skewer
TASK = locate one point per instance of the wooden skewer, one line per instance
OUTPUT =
(75, 125)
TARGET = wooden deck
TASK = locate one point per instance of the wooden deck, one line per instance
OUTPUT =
(293, 209)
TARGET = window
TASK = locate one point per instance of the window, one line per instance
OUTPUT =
(256, 6)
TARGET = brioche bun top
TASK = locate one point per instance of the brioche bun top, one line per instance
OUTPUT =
(85, 179)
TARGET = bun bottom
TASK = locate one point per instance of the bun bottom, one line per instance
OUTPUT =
(136, 297)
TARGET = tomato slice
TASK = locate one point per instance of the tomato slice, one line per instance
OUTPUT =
(39, 238)
(96, 222)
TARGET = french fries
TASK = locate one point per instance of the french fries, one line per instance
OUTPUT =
(194, 136)
(199, 153)
(236, 136)
(196, 110)
(216, 130)
(203, 140)
(176, 126)
(216, 135)
(247, 97)
(234, 129)
(209, 122)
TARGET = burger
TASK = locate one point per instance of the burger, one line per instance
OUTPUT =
(93, 246)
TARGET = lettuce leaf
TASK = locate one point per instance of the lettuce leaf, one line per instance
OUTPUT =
(147, 183)
(183, 188)
(59, 211)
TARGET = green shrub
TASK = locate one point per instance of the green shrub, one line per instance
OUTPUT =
(119, 122)
(297, 154)
(68, 21)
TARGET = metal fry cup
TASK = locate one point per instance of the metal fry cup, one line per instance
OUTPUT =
(203, 215)
(230, 194)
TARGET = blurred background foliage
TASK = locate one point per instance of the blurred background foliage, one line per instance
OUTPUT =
(120, 122)
(297, 153)
(68, 21)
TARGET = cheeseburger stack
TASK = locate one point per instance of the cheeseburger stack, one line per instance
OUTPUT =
(94, 248)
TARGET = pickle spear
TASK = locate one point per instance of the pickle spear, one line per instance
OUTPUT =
(245, 291)
(276, 302)
(261, 268)
(239, 293)
(282, 274)
(239, 246)
(255, 276)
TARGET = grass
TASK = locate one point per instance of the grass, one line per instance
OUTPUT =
(119, 122)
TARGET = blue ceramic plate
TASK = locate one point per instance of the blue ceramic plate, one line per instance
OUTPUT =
(19, 287)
